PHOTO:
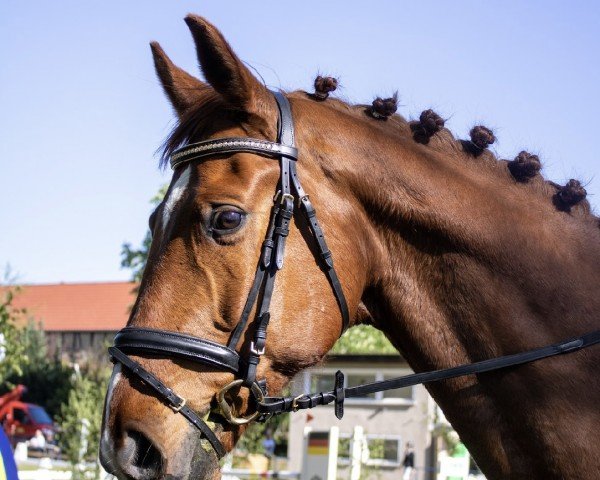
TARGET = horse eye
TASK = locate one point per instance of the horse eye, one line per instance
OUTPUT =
(227, 220)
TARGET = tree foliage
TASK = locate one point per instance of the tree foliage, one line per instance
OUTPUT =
(12, 351)
(26, 360)
(252, 440)
(83, 405)
(134, 258)
(48, 380)
(67, 397)
(364, 340)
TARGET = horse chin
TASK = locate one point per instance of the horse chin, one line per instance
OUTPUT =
(204, 464)
(195, 459)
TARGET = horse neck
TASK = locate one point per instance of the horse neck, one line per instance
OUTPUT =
(464, 253)
(467, 265)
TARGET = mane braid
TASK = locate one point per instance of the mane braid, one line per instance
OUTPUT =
(445, 143)
(212, 112)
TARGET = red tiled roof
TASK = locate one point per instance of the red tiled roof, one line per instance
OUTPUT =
(77, 306)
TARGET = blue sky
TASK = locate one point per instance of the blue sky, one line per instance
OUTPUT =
(81, 112)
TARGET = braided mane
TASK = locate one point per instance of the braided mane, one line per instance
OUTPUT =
(429, 131)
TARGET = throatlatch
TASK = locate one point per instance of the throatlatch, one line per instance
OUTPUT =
(162, 343)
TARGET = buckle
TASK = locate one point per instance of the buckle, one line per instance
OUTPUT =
(256, 351)
(226, 408)
(295, 406)
(281, 197)
(179, 406)
(287, 196)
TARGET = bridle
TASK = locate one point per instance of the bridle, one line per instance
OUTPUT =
(163, 343)
(133, 340)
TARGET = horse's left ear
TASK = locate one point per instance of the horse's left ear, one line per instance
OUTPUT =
(183, 90)
(226, 72)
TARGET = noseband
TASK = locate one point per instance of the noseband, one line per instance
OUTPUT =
(162, 343)
(143, 341)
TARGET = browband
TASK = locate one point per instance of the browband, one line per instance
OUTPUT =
(218, 146)
(146, 340)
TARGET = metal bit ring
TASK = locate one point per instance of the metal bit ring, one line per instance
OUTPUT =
(226, 408)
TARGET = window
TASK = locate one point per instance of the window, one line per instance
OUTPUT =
(354, 379)
(322, 380)
(405, 392)
(21, 416)
(39, 415)
(384, 450)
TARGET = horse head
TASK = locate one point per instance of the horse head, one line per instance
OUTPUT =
(208, 237)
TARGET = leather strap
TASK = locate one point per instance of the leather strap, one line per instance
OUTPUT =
(171, 344)
(325, 258)
(173, 400)
(264, 262)
(282, 216)
(280, 233)
(275, 405)
(286, 121)
(219, 146)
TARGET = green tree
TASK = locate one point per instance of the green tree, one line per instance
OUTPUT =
(365, 340)
(48, 380)
(34, 341)
(67, 394)
(12, 351)
(135, 258)
(83, 406)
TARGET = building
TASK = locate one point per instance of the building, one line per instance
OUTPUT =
(80, 319)
(390, 419)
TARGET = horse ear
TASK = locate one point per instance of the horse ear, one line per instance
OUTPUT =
(226, 73)
(183, 89)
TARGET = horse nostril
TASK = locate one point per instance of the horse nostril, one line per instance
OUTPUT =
(147, 456)
(138, 457)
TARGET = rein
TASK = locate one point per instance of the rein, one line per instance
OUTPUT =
(163, 343)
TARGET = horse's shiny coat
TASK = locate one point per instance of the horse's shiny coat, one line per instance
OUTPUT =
(446, 253)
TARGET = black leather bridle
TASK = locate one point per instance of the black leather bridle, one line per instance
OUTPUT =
(162, 343)
(140, 341)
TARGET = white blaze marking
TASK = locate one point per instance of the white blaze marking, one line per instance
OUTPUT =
(175, 195)
(114, 379)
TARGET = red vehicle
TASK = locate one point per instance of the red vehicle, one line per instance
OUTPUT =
(22, 420)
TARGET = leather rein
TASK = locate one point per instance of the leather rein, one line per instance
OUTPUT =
(164, 343)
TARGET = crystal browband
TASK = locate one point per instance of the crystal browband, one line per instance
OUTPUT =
(207, 148)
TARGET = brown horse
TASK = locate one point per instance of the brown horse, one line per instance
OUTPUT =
(455, 255)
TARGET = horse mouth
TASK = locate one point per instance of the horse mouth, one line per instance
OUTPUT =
(138, 456)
